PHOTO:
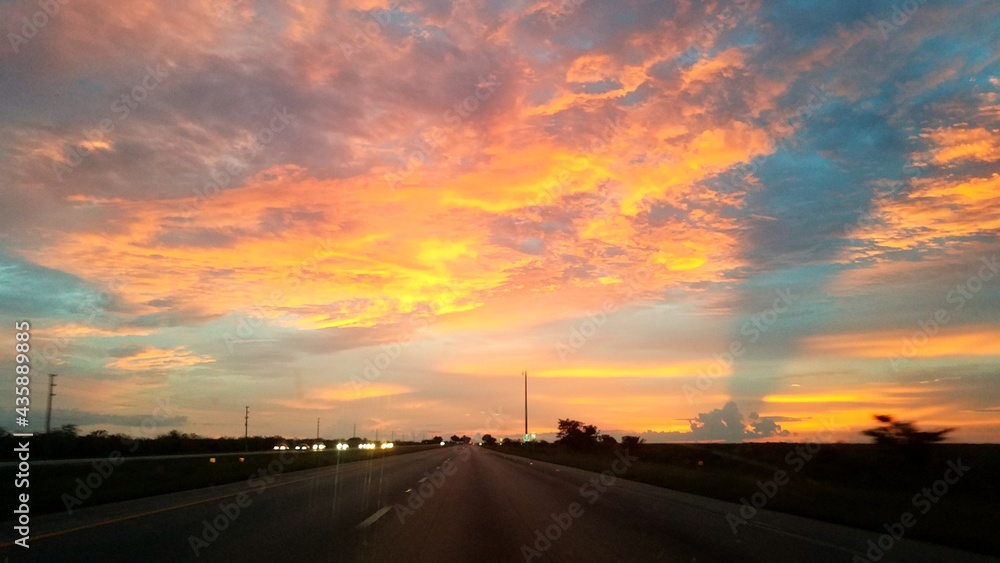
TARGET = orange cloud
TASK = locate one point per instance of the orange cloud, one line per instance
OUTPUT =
(329, 396)
(933, 212)
(683, 369)
(951, 341)
(159, 359)
(957, 144)
(72, 330)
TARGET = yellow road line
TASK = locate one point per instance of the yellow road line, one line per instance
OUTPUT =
(157, 511)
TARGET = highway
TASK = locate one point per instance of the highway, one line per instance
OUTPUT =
(461, 503)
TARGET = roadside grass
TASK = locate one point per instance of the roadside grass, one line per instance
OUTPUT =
(54, 486)
(855, 485)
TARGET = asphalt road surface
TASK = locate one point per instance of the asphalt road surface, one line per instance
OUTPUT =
(461, 503)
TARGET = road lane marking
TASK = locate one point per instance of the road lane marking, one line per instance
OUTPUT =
(808, 539)
(158, 510)
(164, 509)
(422, 479)
(371, 519)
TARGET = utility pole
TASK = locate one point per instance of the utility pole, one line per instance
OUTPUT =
(355, 433)
(246, 428)
(525, 406)
(48, 412)
(317, 428)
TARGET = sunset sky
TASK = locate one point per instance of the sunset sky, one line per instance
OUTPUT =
(382, 213)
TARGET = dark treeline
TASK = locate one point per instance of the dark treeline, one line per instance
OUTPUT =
(896, 438)
(67, 443)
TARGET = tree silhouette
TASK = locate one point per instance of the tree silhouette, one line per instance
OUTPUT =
(631, 441)
(899, 434)
(489, 440)
(576, 434)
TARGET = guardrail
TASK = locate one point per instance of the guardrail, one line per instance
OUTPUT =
(328, 450)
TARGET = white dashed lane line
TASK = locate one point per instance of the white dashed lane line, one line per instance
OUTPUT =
(371, 519)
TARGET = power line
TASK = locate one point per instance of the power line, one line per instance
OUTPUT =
(48, 412)
(525, 406)
(246, 429)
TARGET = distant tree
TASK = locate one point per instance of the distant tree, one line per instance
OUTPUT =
(489, 440)
(631, 441)
(68, 430)
(455, 438)
(98, 434)
(465, 439)
(568, 426)
(437, 439)
(894, 432)
(608, 440)
(576, 434)
(902, 441)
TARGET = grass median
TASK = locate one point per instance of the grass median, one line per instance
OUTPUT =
(56, 487)
(851, 484)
